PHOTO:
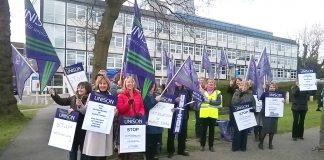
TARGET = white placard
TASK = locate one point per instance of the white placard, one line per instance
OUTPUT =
(244, 119)
(132, 138)
(62, 134)
(258, 104)
(76, 78)
(307, 82)
(161, 115)
(99, 117)
(274, 107)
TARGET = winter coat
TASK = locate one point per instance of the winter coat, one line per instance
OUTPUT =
(99, 144)
(124, 109)
(149, 103)
(240, 97)
(299, 99)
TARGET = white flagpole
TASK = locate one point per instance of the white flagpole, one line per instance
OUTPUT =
(174, 76)
(123, 57)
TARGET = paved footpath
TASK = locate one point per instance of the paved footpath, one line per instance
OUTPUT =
(31, 144)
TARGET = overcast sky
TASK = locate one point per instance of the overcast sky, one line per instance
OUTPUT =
(285, 18)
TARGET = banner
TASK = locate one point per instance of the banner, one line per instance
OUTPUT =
(161, 115)
(307, 79)
(243, 117)
(63, 129)
(274, 104)
(75, 74)
(179, 115)
(132, 134)
(100, 113)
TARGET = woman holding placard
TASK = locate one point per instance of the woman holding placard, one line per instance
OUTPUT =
(153, 134)
(129, 104)
(241, 96)
(99, 145)
(269, 122)
(77, 104)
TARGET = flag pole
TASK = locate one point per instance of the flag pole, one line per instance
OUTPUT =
(174, 76)
(162, 68)
(246, 73)
(123, 58)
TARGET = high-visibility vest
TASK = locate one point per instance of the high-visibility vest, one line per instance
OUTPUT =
(207, 110)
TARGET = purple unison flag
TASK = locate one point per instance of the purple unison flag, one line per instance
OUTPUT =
(187, 76)
(22, 71)
(39, 47)
(166, 59)
(206, 64)
(264, 66)
(251, 73)
(222, 62)
(138, 60)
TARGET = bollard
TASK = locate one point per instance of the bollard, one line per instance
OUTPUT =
(287, 97)
(311, 98)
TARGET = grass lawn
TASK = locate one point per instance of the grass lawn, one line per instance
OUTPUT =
(11, 126)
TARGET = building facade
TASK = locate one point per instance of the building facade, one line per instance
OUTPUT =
(71, 26)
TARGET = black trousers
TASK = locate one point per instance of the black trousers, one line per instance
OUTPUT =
(182, 136)
(298, 124)
(207, 123)
(239, 139)
(198, 128)
(152, 141)
(96, 158)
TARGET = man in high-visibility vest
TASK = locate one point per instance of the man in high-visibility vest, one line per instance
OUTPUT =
(209, 113)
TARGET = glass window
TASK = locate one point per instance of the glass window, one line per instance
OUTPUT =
(232, 38)
(56, 34)
(96, 15)
(188, 49)
(162, 27)
(212, 51)
(176, 29)
(150, 45)
(249, 42)
(222, 37)
(120, 20)
(114, 61)
(241, 41)
(200, 33)
(197, 66)
(175, 47)
(129, 20)
(75, 34)
(280, 73)
(231, 54)
(240, 70)
(73, 57)
(273, 59)
(77, 12)
(54, 11)
(178, 63)
(148, 24)
(162, 44)
(198, 50)
(293, 74)
(90, 59)
(281, 60)
(117, 40)
(188, 31)
(158, 64)
(211, 35)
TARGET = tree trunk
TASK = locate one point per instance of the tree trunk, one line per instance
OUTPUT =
(8, 103)
(103, 36)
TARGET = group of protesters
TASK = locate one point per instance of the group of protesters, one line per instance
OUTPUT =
(97, 146)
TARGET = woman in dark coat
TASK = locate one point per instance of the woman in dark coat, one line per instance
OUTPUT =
(269, 123)
(77, 104)
(242, 95)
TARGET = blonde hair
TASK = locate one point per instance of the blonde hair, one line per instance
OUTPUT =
(246, 83)
(127, 78)
(99, 79)
(273, 84)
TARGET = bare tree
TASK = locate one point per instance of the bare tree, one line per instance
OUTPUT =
(8, 103)
(112, 10)
(308, 43)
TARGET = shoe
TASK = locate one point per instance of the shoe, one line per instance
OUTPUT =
(243, 149)
(270, 146)
(302, 138)
(202, 148)
(170, 155)
(318, 109)
(260, 146)
(212, 149)
(185, 153)
(294, 139)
